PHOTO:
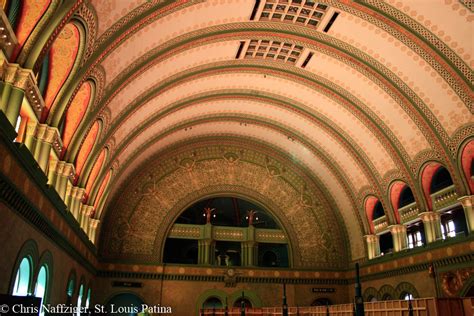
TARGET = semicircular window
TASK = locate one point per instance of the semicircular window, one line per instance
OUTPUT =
(226, 231)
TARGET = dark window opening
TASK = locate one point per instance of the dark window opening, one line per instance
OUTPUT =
(378, 211)
(406, 197)
(453, 223)
(331, 22)
(441, 179)
(246, 302)
(239, 51)
(212, 302)
(386, 243)
(306, 61)
(321, 302)
(472, 168)
(415, 235)
(272, 255)
(184, 251)
(227, 253)
(387, 297)
(255, 9)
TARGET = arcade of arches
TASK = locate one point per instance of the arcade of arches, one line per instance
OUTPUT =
(182, 153)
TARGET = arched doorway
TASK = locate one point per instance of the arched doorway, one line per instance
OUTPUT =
(212, 302)
(125, 304)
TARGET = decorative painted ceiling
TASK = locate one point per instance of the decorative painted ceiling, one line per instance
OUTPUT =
(344, 96)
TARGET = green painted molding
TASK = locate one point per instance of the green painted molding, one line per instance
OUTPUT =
(49, 30)
(416, 33)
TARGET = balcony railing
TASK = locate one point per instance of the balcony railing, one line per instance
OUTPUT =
(420, 306)
(444, 198)
(408, 212)
(380, 224)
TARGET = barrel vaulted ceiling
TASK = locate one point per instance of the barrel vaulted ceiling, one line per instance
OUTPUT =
(335, 107)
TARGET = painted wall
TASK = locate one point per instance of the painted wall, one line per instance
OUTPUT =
(12, 241)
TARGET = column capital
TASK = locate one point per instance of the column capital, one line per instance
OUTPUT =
(78, 192)
(467, 200)
(25, 80)
(67, 170)
(94, 223)
(371, 238)
(429, 216)
(87, 209)
(31, 128)
(399, 228)
(50, 135)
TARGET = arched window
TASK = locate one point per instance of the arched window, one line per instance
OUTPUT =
(372, 298)
(406, 296)
(387, 297)
(41, 285)
(378, 210)
(22, 279)
(88, 298)
(212, 302)
(441, 179)
(406, 197)
(245, 301)
(70, 290)
(79, 299)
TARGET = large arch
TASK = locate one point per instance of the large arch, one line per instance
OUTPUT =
(199, 173)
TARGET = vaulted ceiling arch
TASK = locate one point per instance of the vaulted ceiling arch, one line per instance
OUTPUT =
(318, 163)
(191, 145)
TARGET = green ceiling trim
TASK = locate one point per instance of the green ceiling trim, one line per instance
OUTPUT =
(428, 132)
(378, 8)
(350, 145)
(397, 148)
(323, 40)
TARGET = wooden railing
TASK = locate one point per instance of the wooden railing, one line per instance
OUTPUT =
(421, 307)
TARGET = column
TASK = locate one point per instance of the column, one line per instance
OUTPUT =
(77, 194)
(373, 246)
(46, 135)
(17, 81)
(93, 226)
(249, 248)
(53, 170)
(399, 235)
(249, 253)
(86, 212)
(467, 204)
(432, 224)
(64, 171)
(205, 251)
(30, 136)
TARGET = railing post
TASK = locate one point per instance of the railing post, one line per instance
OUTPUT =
(359, 300)
(285, 305)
